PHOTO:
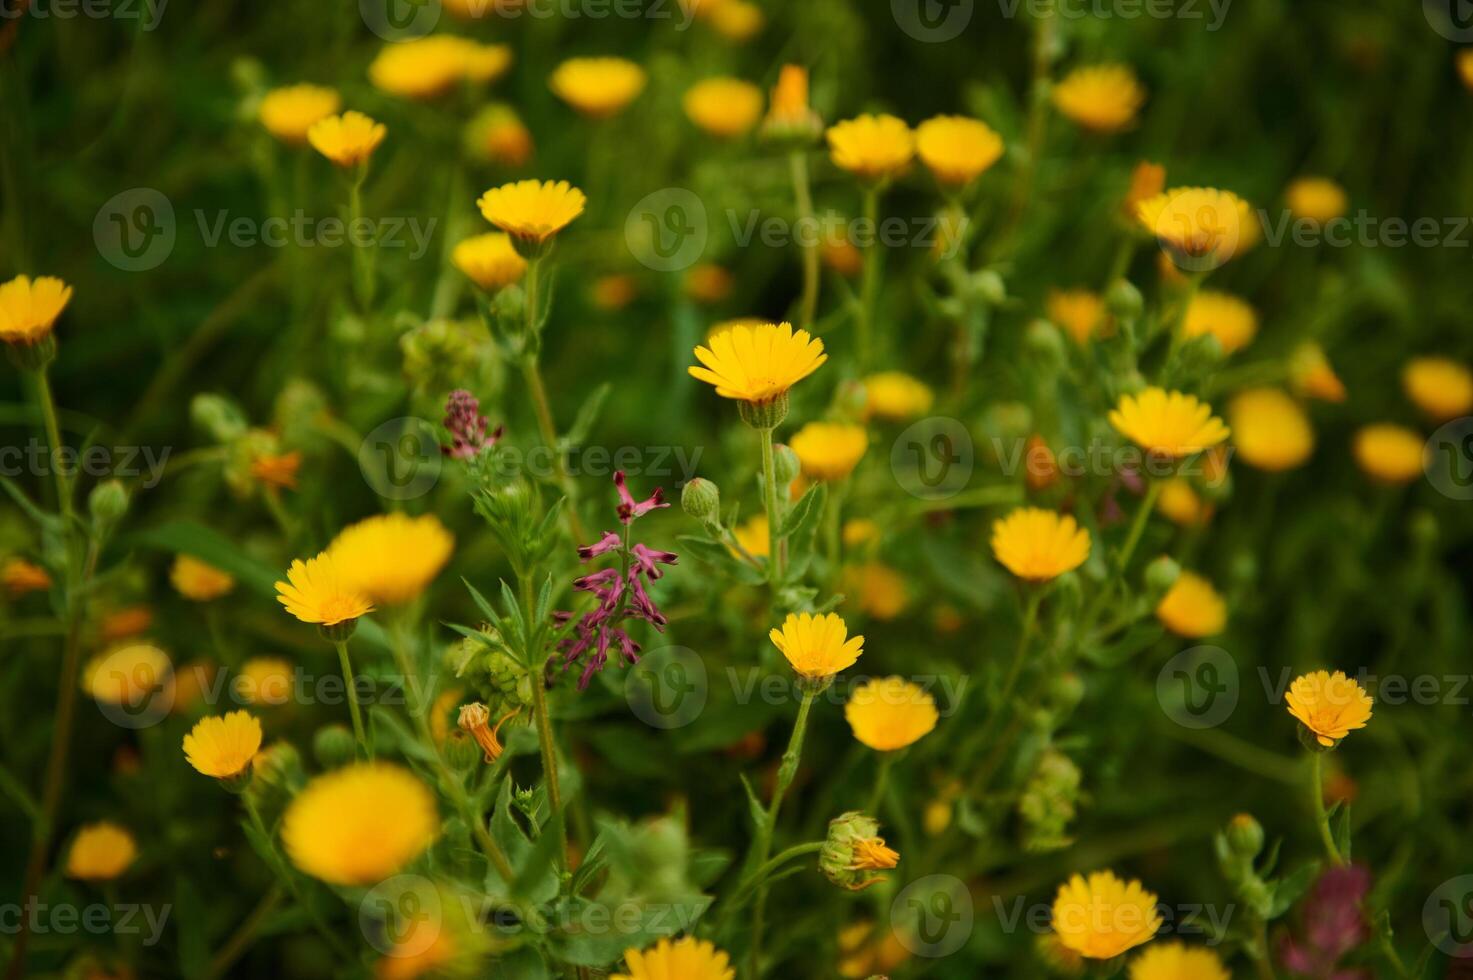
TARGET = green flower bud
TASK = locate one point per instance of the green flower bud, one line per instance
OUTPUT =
(1123, 300)
(1065, 691)
(107, 503)
(1044, 340)
(989, 287)
(218, 416)
(333, 746)
(786, 466)
(1245, 834)
(1161, 575)
(854, 852)
(765, 415)
(1049, 802)
(701, 499)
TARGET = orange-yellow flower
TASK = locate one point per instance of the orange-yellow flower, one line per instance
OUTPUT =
(723, 107)
(532, 210)
(1439, 386)
(20, 577)
(1038, 545)
(829, 450)
(391, 558)
(1270, 430)
(101, 852)
(896, 396)
(817, 646)
(1192, 607)
(1312, 375)
(788, 114)
(489, 260)
(288, 112)
(1389, 453)
(957, 149)
(1100, 917)
(1201, 226)
(1316, 199)
(201, 582)
(316, 592)
(1330, 705)
(497, 134)
(890, 713)
(223, 746)
(597, 87)
(360, 824)
(29, 308)
(758, 364)
(1102, 98)
(684, 959)
(348, 139)
(1079, 312)
(872, 147)
(1177, 961)
(1224, 316)
(1168, 423)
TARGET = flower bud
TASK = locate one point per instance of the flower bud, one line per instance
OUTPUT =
(107, 503)
(1245, 834)
(1161, 575)
(853, 851)
(764, 415)
(218, 416)
(1065, 691)
(333, 746)
(1123, 300)
(785, 466)
(32, 356)
(701, 499)
(989, 287)
(1045, 341)
(461, 751)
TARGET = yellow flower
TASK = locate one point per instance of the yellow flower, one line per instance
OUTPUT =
(1079, 311)
(287, 113)
(1330, 705)
(1146, 180)
(413, 957)
(723, 107)
(484, 63)
(829, 450)
(498, 135)
(1192, 607)
(817, 646)
(758, 364)
(957, 149)
(788, 113)
(1464, 59)
(101, 852)
(1223, 315)
(1313, 376)
(708, 283)
(878, 589)
(192, 682)
(1168, 423)
(737, 20)
(1202, 226)
(597, 87)
(753, 536)
(1317, 199)
(20, 576)
(1389, 453)
(128, 675)
(614, 292)
(1439, 386)
(1181, 503)
(1102, 98)
(223, 746)
(688, 958)
(896, 396)
(123, 623)
(1039, 545)
(841, 255)
(29, 308)
(265, 680)
(426, 67)
(315, 592)
(1270, 430)
(890, 713)
(532, 210)
(1100, 917)
(871, 147)
(1177, 961)
(392, 558)
(359, 824)
(277, 470)
(860, 530)
(347, 140)
(193, 579)
(489, 260)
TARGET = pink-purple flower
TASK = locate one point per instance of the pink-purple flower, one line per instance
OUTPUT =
(467, 427)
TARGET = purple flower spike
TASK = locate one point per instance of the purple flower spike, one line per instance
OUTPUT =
(605, 544)
(467, 427)
(628, 508)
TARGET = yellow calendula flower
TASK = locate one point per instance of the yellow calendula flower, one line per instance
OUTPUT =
(859, 531)
(789, 117)
(1168, 423)
(723, 107)
(1389, 453)
(890, 713)
(872, 147)
(129, 675)
(737, 20)
(288, 112)
(1100, 917)
(426, 67)
(29, 308)
(597, 87)
(1317, 199)
(417, 956)
(1101, 98)
(101, 852)
(360, 824)
(21, 577)
(1080, 312)
(223, 746)
(614, 292)
(829, 450)
(532, 210)
(758, 364)
(1177, 961)
(896, 396)
(1180, 502)
(316, 592)
(1228, 318)
(956, 148)
(489, 260)
(392, 558)
(1192, 607)
(201, 582)
(878, 590)
(498, 135)
(1200, 226)
(1312, 375)
(1038, 545)
(688, 958)
(1146, 181)
(753, 536)
(348, 139)
(1330, 705)
(1270, 429)
(1439, 386)
(852, 848)
(265, 680)
(817, 646)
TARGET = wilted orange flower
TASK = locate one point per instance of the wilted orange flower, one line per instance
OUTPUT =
(277, 470)
(20, 577)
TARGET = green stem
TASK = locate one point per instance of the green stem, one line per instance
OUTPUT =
(532, 374)
(869, 277)
(1321, 818)
(808, 305)
(543, 718)
(53, 436)
(1138, 526)
(769, 502)
(242, 938)
(363, 255)
(882, 781)
(353, 707)
(759, 876)
(1015, 670)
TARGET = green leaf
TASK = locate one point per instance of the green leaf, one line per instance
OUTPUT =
(537, 876)
(487, 610)
(46, 521)
(1139, 637)
(805, 513)
(1342, 833)
(514, 613)
(194, 946)
(716, 554)
(587, 415)
(1288, 889)
(755, 809)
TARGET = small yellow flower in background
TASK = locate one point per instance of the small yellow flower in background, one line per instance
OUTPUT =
(414, 956)
(1038, 545)
(101, 852)
(1177, 961)
(265, 680)
(196, 580)
(890, 713)
(896, 396)
(489, 260)
(315, 592)
(277, 470)
(1312, 376)
(1080, 312)
(129, 675)
(956, 148)
(709, 283)
(223, 746)
(29, 308)
(1146, 181)
(860, 530)
(426, 67)
(723, 107)
(1192, 607)
(817, 646)
(1101, 98)
(498, 135)
(1270, 429)
(191, 683)
(829, 450)
(1168, 423)
(287, 113)
(1317, 199)
(614, 292)
(868, 951)
(758, 364)
(348, 139)
(359, 824)
(841, 255)
(1100, 917)
(872, 147)
(532, 210)
(752, 535)
(1464, 59)
(1228, 318)
(20, 577)
(1201, 226)
(1389, 453)
(597, 87)
(123, 623)
(1180, 503)
(788, 114)
(1439, 386)
(737, 20)
(688, 958)
(878, 590)
(392, 558)
(1330, 705)
(484, 63)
